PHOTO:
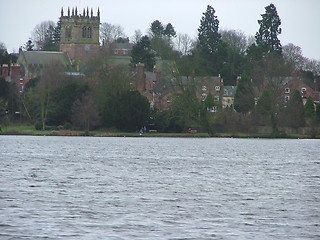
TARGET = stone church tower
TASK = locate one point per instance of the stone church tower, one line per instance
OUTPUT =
(79, 34)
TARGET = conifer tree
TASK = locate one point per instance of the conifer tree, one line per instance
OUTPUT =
(210, 48)
(267, 36)
(142, 53)
(208, 32)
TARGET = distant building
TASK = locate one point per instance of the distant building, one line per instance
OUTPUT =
(32, 62)
(80, 34)
(305, 91)
(228, 96)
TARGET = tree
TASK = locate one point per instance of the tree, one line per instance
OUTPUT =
(40, 98)
(211, 49)
(42, 34)
(267, 36)
(183, 44)
(317, 113)
(309, 110)
(244, 97)
(169, 31)
(293, 56)
(236, 44)
(142, 53)
(137, 36)
(294, 111)
(265, 112)
(208, 32)
(132, 112)
(110, 32)
(62, 99)
(157, 29)
(29, 45)
(84, 113)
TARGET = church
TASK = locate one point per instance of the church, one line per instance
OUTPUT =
(79, 34)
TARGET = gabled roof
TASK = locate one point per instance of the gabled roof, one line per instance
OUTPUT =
(44, 57)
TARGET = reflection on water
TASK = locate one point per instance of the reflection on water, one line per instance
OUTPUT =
(158, 188)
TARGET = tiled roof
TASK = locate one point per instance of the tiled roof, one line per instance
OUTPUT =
(45, 57)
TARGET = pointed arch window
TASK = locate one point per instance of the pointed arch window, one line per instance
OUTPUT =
(84, 32)
(89, 32)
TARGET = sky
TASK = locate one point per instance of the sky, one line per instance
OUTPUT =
(300, 18)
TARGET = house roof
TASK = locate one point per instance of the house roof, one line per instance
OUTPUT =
(44, 57)
(229, 91)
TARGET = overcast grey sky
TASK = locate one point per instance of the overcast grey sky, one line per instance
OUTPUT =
(300, 18)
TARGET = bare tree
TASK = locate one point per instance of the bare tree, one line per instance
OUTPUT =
(137, 36)
(292, 55)
(50, 80)
(85, 114)
(2, 46)
(184, 43)
(110, 32)
(236, 40)
(40, 33)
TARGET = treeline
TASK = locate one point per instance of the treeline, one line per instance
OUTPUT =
(106, 98)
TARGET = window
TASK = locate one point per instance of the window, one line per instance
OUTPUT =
(89, 32)
(217, 88)
(84, 32)
(203, 96)
(286, 98)
(287, 90)
(212, 109)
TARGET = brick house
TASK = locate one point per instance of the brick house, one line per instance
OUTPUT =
(296, 83)
(160, 90)
(12, 73)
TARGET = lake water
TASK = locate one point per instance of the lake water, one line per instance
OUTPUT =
(158, 188)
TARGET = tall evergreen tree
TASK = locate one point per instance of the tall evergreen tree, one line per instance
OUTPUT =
(142, 53)
(169, 31)
(208, 32)
(157, 29)
(267, 36)
(209, 43)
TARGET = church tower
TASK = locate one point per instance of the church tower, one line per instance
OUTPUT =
(79, 34)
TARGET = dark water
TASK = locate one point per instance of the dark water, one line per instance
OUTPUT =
(158, 188)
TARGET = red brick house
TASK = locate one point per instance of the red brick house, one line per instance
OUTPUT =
(160, 90)
(296, 83)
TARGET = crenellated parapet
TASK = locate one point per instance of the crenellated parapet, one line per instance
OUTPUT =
(74, 13)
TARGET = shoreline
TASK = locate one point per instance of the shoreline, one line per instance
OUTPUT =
(72, 133)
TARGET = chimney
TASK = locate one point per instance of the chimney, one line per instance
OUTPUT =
(141, 78)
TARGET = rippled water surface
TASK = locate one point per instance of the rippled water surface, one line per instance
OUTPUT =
(158, 188)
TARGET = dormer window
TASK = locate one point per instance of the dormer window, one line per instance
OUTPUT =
(287, 90)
